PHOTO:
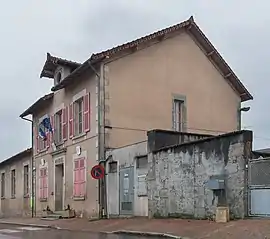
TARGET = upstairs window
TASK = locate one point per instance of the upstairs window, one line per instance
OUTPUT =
(78, 117)
(42, 144)
(178, 115)
(58, 124)
(58, 78)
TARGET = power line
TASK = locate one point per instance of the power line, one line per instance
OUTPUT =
(191, 128)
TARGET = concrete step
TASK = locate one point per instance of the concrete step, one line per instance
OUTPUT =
(60, 214)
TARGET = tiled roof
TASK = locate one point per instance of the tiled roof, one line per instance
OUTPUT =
(41, 102)
(195, 32)
(51, 64)
(18, 156)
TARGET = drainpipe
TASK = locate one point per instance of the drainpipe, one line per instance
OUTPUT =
(101, 140)
(32, 198)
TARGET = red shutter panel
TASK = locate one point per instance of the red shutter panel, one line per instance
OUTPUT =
(45, 185)
(36, 139)
(41, 184)
(52, 133)
(64, 124)
(47, 142)
(71, 125)
(76, 174)
(86, 102)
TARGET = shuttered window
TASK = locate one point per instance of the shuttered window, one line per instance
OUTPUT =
(79, 177)
(43, 183)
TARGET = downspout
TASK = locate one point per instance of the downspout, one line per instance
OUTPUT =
(33, 194)
(101, 140)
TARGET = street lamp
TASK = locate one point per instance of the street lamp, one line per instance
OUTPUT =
(243, 109)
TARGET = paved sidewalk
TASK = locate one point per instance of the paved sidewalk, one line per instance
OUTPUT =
(196, 229)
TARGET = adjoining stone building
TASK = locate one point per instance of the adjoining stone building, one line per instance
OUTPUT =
(15, 185)
(175, 174)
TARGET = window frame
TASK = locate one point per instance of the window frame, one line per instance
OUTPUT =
(82, 182)
(179, 125)
(3, 185)
(76, 116)
(58, 127)
(13, 183)
(42, 178)
(26, 177)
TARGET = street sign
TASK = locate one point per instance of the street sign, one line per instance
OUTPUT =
(97, 172)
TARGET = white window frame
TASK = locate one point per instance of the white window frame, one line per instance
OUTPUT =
(3, 191)
(178, 111)
(25, 194)
(76, 122)
(13, 187)
(42, 142)
(58, 133)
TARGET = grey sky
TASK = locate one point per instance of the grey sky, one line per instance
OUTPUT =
(75, 29)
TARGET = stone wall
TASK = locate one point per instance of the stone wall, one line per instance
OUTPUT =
(158, 138)
(177, 176)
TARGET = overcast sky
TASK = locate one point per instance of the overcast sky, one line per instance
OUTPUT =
(75, 29)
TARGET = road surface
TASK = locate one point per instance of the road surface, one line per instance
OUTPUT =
(23, 232)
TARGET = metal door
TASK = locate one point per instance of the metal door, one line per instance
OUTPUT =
(259, 187)
(126, 178)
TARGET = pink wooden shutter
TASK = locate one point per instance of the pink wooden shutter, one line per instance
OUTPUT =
(52, 133)
(71, 125)
(76, 183)
(82, 177)
(47, 142)
(45, 184)
(86, 102)
(41, 184)
(64, 124)
(36, 139)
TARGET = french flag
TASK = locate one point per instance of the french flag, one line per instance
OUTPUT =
(41, 133)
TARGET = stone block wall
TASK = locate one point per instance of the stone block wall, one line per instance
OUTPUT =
(177, 176)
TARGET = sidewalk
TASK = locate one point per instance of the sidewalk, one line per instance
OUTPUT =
(195, 229)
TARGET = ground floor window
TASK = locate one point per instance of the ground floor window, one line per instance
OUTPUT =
(79, 178)
(43, 184)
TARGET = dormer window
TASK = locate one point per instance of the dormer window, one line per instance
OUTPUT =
(58, 77)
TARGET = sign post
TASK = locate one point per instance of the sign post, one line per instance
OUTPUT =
(97, 172)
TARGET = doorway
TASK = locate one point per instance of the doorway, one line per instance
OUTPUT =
(126, 190)
(59, 187)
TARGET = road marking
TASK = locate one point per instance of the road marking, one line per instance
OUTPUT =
(30, 228)
(8, 231)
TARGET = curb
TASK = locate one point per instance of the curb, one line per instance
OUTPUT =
(29, 224)
(148, 234)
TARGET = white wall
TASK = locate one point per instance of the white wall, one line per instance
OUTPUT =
(126, 157)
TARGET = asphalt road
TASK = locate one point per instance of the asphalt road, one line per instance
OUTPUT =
(17, 232)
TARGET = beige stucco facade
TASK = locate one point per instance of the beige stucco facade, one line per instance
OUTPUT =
(142, 85)
(88, 206)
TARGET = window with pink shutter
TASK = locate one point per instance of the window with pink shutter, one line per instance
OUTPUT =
(64, 123)
(70, 120)
(43, 184)
(79, 178)
(86, 102)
